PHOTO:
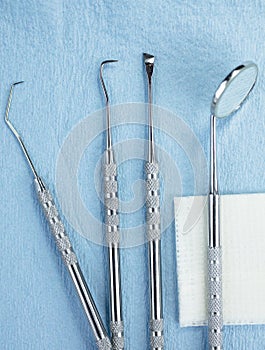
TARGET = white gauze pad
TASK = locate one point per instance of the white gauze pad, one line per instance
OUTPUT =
(242, 220)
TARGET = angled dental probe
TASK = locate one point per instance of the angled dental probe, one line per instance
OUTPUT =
(111, 202)
(62, 242)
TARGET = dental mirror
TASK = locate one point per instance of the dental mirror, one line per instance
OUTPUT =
(234, 89)
(228, 98)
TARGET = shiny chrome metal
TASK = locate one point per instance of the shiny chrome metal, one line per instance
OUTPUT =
(156, 304)
(14, 131)
(112, 229)
(108, 133)
(213, 164)
(149, 61)
(214, 221)
(214, 229)
(237, 84)
(87, 301)
(155, 278)
(228, 98)
(64, 245)
(115, 292)
(153, 224)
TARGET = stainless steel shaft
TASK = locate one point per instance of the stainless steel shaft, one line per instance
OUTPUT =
(113, 239)
(154, 253)
(215, 309)
(70, 259)
(215, 313)
(153, 229)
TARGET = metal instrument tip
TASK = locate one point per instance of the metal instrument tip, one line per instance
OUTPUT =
(18, 82)
(149, 59)
(9, 101)
(108, 61)
(108, 138)
(14, 130)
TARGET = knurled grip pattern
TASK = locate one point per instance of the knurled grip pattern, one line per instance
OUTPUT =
(61, 239)
(215, 317)
(117, 342)
(117, 330)
(153, 183)
(151, 168)
(111, 203)
(156, 341)
(116, 327)
(64, 245)
(157, 325)
(152, 202)
(153, 218)
(104, 344)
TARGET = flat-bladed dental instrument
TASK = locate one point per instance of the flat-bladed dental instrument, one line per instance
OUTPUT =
(111, 202)
(229, 96)
(153, 223)
(63, 243)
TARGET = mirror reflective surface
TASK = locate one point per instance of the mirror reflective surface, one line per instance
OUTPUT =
(234, 89)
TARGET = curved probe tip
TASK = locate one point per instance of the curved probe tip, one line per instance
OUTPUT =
(18, 82)
(107, 61)
(101, 77)
(9, 101)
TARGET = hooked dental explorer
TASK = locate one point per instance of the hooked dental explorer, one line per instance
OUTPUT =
(111, 202)
(229, 96)
(63, 243)
(153, 224)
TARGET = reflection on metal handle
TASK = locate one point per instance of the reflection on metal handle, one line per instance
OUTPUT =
(214, 221)
(64, 245)
(215, 313)
(215, 319)
(113, 239)
(154, 253)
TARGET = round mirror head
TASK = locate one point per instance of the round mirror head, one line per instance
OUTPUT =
(234, 89)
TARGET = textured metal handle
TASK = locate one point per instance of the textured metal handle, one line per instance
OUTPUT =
(117, 339)
(111, 203)
(64, 245)
(215, 319)
(61, 239)
(152, 201)
(157, 338)
(113, 239)
(104, 344)
(154, 248)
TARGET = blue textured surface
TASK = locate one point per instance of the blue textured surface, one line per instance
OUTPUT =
(56, 47)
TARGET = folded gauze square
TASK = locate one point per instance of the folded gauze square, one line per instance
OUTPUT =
(242, 219)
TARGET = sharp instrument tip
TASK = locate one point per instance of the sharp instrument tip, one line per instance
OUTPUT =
(149, 59)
